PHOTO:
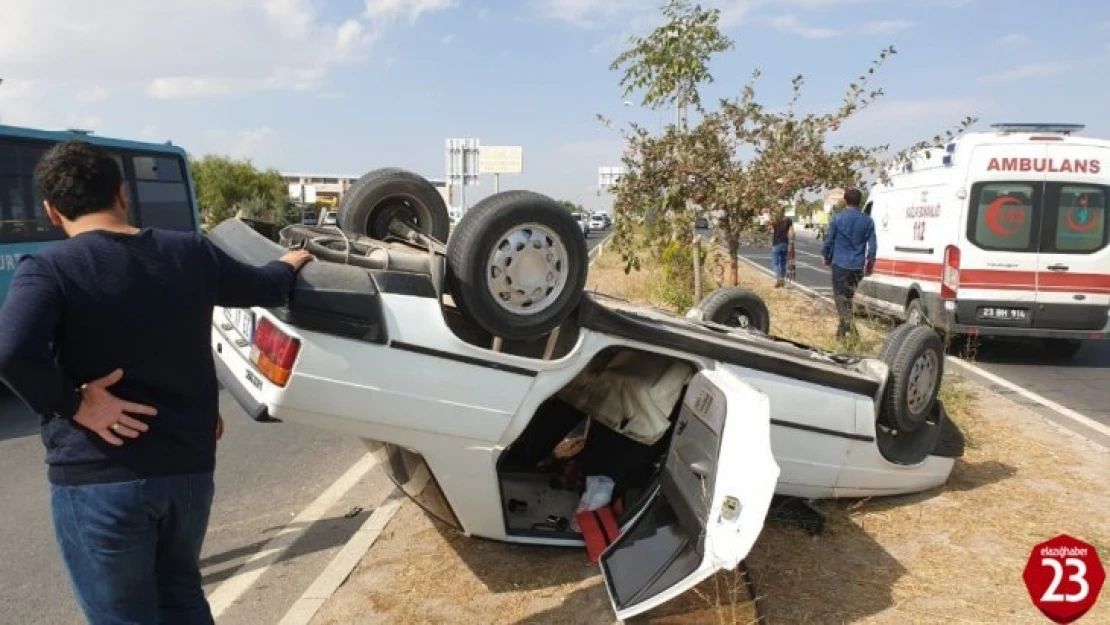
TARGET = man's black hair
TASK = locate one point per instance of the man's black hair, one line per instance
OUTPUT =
(853, 197)
(78, 178)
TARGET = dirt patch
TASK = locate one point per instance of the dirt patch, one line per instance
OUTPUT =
(954, 555)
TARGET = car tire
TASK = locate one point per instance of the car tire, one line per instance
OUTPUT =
(737, 308)
(916, 370)
(893, 341)
(375, 200)
(486, 252)
(915, 313)
(1060, 349)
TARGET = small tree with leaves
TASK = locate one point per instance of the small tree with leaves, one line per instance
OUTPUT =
(739, 158)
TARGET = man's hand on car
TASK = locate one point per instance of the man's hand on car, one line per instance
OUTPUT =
(108, 415)
(296, 259)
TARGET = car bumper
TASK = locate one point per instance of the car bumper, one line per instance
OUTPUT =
(944, 315)
(235, 386)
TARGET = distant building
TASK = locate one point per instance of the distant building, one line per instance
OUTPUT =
(328, 189)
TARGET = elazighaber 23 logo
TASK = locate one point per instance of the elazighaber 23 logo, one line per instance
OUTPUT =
(1064, 577)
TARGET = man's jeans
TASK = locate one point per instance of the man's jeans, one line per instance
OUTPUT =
(132, 549)
(778, 259)
(844, 283)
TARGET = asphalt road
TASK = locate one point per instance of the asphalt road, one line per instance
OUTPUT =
(1078, 384)
(266, 475)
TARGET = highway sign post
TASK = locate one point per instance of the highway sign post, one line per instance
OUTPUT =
(500, 159)
(462, 165)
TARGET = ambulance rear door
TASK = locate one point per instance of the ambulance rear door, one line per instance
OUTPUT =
(1073, 273)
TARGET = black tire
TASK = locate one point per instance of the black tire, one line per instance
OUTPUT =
(479, 235)
(374, 201)
(909, 400)
(893, 341)
(732, 306)
(914, 309)
(1061, 349)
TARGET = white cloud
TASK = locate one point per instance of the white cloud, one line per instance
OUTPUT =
(1013, 39)
(1032, 70)
(792, 25)
(240, 143)
(597, 13)
(92, 94)
(448, 38)
(1104, 25)
(389, 10)
(885, 27)
(200, 47)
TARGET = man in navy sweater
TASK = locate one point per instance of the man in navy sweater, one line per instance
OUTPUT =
(106, 336)
(850, 250)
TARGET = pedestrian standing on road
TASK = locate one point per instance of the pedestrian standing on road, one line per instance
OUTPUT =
(105, 334)
(850, 250)
(782, 239)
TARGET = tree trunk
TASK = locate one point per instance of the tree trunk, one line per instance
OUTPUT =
(697, 266)
(734, 263)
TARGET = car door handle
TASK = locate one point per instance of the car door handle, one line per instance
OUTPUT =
(1057, 267)
(700, 469)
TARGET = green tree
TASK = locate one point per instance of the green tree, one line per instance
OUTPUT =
(669, 66)
(788, 153)
(226, 185)
(573, 207)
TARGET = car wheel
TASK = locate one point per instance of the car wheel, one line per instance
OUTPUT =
(1062, 348)
(915, 312)
(893, 341)
(916, 371)
(737, 308)
(384, 198)
(517, 264)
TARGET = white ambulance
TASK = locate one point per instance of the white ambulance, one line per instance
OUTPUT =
(1000, 233)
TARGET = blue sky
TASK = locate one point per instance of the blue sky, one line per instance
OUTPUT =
(346, 86)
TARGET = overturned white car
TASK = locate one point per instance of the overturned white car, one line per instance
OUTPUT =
(514, 406)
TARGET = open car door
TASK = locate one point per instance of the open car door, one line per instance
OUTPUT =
(711, 502)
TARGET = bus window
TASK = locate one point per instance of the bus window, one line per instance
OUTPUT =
(163, 197)
(22, 218)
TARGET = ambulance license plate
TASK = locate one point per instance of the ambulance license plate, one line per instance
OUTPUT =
(1002, 314)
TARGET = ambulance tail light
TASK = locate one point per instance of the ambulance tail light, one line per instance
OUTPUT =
(274, 352)
(950, 276)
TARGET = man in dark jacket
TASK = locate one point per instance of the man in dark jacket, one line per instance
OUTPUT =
(850, 250)
(106, 336)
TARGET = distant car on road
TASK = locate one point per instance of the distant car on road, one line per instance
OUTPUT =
(583, 223)
(598, 222)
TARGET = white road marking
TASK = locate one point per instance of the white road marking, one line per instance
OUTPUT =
(248, 573)
(339, 569)
(1059, 409)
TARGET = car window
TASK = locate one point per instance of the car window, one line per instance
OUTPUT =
(1080, 221)
(1003, 216)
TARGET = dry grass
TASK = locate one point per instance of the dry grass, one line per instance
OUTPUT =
(951, 556)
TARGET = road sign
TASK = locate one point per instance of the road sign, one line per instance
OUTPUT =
(1064, 577)
(500, 159)
(462, 161)
(609, 176)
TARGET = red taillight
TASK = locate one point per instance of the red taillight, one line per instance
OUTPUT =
(274, 352)
(950, 276)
